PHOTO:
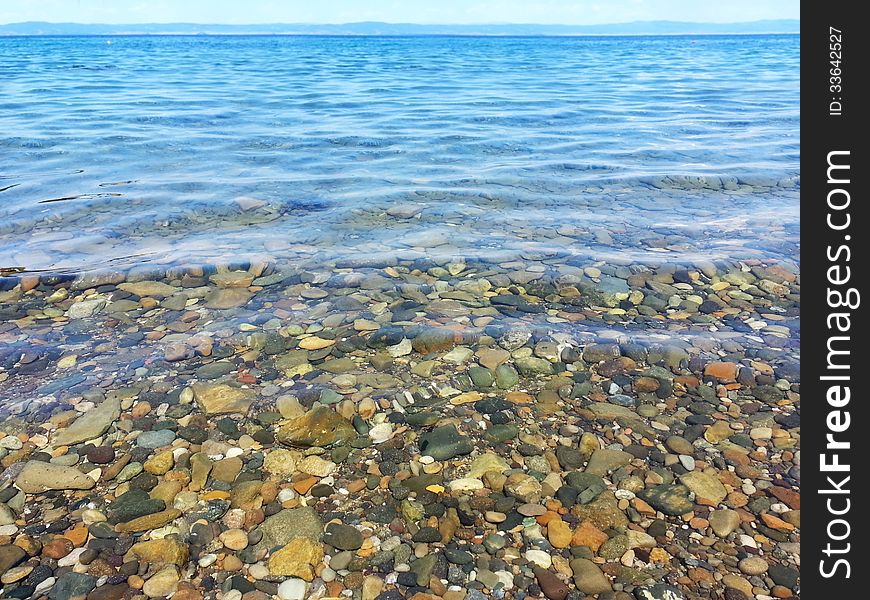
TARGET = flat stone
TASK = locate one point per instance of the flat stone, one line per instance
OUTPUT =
(162, 551)
(155, 289)
(228, 298)
(293, 589)
(604, 461)
(718, 432)
(283, 526)
(222, 399)
(72, 585)
(444, 443)
(753, 565)
(588, 577)
(155, 439)
(679, 445)
(659, 591)
(10, 556)
(148, 522)
(723, 371)
(296, 559)
(38, 477)
(672, 500)
(724, 521)
(523, 487)
(90, 425)
(320, 426)
(163, 583)
(487, 462)
(343, 537)
(232, 279)
(706, 487)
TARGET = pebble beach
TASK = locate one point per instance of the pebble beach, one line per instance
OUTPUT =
(448, 397)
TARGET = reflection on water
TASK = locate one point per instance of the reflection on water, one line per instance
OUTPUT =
(190, 150)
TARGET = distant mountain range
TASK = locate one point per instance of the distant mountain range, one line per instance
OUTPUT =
(376, 28)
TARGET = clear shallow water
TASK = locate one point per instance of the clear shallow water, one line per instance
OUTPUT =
(136, 152)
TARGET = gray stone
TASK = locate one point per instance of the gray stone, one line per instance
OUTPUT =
(281, 527)
(70, 585)
(604, 461)
(443, 443)
(38, 477)
(155, 439)
(672, 500)
(91, 424)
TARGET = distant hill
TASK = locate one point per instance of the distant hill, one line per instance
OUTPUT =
(375, 28)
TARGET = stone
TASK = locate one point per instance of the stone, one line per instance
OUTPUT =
(10, 556)
(296, 559)
(588, 577)
(603, 512)
(159, 464)
(523, 487)
(222, 399)
(320, 426)
(227, 469)
(147, 522)
(292, 589)
(280, 463)
(491, 358)
(672, 500)
(444, 443)
(289, 407)
(232, 279)
(486, 463)
(506, 377)
(588, 535)
(724, 521)
(155, 439)
(86, 308)
(143, 289)
(316, 466)
(559, 534)
(723, 371)
(72, 585)
(227, 298)
(753, 565)
(343, 537)
(283, 526)
(679, 445)
(90, 425)
(38, 477)
(553, 587)
(423, 568)
(162, 551)
(707, 488)
(659, 591)
(163, 583)
(718, 432)
(133, 504)
(604, 461)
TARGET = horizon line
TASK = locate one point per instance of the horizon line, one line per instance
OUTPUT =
(403, 23)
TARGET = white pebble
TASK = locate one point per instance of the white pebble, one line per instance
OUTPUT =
(207, 560)
(292, 589)
(539, 557)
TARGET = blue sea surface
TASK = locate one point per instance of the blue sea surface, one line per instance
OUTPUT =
(126, 152)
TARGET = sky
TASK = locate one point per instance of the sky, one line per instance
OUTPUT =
(440, 12)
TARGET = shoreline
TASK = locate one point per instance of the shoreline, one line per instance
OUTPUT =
(421, 429)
